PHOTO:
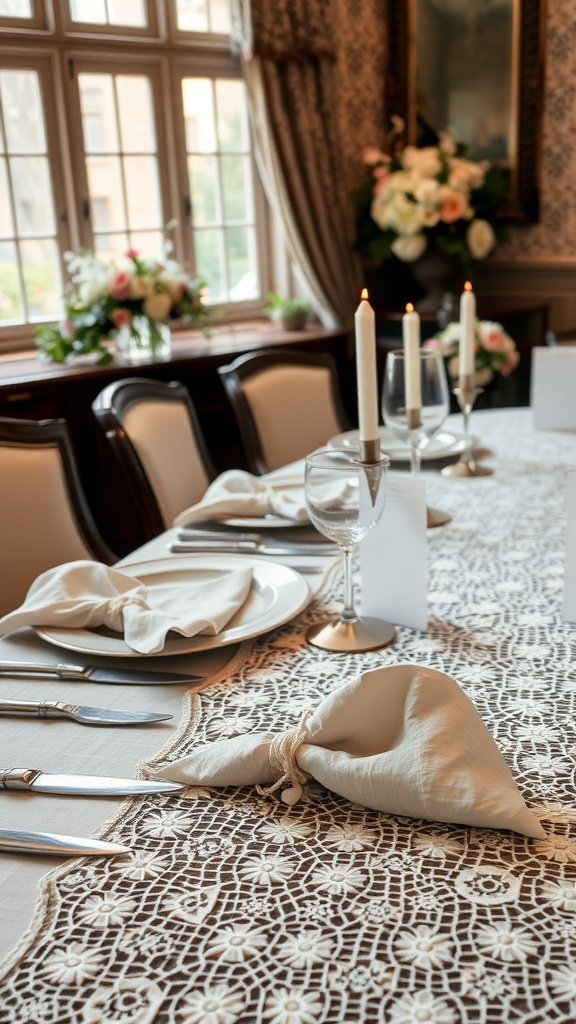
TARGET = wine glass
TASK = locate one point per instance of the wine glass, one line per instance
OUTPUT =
(419, 429)
(345, 498)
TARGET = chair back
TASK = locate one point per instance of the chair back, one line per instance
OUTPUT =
(154, 430)
(44, 516)
(565, 337)
(286, 404)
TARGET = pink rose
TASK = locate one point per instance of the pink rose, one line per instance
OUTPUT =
(432, 343)
(493, 341)
(454, 205)
(120, 285)
(121, 317)
(131, 254)
(510, 363)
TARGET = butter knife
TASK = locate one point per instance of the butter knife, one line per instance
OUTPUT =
(14, 840)
(250, 547)
(37, 781)
(89, 673)
(78, 712)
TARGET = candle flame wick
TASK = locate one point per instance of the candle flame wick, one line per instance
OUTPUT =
(409, 307)
(468, 287)
(364, 293)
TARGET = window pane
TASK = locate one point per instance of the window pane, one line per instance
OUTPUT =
(148, 243)
(209, 263)
(232, 120)
(109, 12)
(192, 15)
(220, 16)
(136, 112)
(203, 175)
(32, 195)
(239, 255)
(41, 277)
(22, 109)
(11, 306)
(105, 185)
(98, 113)
(15, 8)
(142, 192)
(199, 115)
(6, 225)
(110, 247)
(234, 174)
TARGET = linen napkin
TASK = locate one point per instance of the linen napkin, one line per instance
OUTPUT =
(237, 493)
(86, 594)
(404, 739)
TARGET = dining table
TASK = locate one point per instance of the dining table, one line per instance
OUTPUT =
(232, 906)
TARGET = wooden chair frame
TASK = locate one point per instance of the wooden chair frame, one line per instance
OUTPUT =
(16, 433)
(247, 366)
(110, 408)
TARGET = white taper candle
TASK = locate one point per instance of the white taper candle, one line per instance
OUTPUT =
(367, 378)
(467, 324)
(411, 340)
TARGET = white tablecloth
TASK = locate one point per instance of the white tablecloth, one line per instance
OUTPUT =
(233, 908)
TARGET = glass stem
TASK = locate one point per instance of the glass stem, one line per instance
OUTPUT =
(348, 611)
(415, 460)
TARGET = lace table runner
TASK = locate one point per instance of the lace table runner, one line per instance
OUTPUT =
(234, 908)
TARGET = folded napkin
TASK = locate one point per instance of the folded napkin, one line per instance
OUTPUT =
(402, 739)
(236, 493)
(88, 594)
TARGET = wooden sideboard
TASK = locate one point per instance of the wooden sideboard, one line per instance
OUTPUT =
(31, 389)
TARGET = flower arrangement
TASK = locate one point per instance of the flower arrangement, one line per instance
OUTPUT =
(105, 298)
(429, 198)
(495, 352)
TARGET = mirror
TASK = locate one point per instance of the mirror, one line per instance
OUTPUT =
(474, 67)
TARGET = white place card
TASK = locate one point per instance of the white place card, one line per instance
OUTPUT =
(394, 557)
(569, 596)
(553, 387)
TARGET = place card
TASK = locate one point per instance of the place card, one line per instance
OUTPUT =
(569, 596)
(553, 387)
(394, 557)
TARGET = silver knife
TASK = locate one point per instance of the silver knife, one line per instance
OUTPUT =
(79, 712)
(37, 781)
(14, 840)
(250, 547)
(89, 673)
(220, 537)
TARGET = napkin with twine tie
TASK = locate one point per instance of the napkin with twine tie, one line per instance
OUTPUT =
(86, 594)
(237, 493)
(404, 739)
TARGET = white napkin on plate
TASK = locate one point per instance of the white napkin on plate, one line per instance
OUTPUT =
(404, 739)
(88, 594)
(237, 493)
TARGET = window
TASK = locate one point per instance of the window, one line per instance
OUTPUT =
(105, 138)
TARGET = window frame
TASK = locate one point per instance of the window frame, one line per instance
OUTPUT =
(153, 31)
(41, 20)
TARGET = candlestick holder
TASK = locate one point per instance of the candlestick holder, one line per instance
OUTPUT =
(466, 395)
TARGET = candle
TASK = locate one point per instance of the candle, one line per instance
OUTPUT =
(467, 322)
(365, 329)
(411, 339)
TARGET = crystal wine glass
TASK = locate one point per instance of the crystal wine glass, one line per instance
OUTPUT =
(345, 499)
(434, 409)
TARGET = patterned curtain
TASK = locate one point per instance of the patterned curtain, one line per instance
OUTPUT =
(289, 66)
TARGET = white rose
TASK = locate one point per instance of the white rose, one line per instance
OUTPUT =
(425, 162)
(157, 306)
(465, 173)
(481, 239)
(404, 215)
(409, 247)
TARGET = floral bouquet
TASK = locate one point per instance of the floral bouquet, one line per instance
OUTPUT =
(495, 352)
(104, 299)
(429, 198)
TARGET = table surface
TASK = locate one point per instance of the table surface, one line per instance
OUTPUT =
(233, 908)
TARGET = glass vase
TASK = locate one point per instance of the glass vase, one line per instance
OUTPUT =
(143, 340)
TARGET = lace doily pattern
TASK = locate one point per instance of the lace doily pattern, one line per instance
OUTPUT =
(233, 908)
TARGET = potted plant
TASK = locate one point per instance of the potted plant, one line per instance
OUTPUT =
(290, 313)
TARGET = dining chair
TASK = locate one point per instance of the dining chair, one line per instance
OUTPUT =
(565, 337)
(45, 519)
(155, 433)
(286, 404)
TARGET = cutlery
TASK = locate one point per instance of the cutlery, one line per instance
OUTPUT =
(13, 840)
(89, 673)
(37, 781)
(189, 534)
(250, 547)
(79, 713)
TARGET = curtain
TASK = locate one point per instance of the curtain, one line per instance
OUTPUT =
(288, 53)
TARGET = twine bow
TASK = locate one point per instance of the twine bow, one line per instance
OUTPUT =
(282, 755)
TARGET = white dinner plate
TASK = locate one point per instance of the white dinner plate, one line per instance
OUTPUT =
(444, 444)
(277, 594)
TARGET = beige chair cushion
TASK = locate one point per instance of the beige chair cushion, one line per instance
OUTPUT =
(163, 438)
(293, 410)
(38, 528)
